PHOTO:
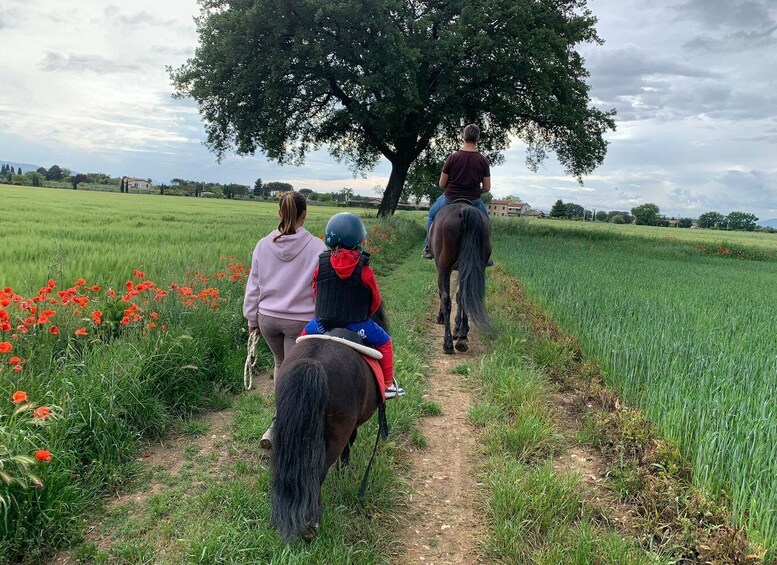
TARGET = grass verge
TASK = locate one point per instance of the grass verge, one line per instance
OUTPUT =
(544, 512)
(216, 509)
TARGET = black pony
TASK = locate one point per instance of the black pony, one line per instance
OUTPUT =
(461, 239)
(326, 391)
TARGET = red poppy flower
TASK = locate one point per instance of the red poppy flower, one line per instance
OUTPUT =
(42, 412)
(125, 321)
(5, 347)
(14, 361)
(5, 326)
(54, 330)
(42, 455)
(80, 282)
(96, 288)
(97, 317)
(5, 302)
(19, 396)
(81, 331)
(18, 368)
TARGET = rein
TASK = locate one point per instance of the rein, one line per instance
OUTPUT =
(249, 369)
(383, 431)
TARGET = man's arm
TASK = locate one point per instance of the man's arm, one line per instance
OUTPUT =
(486, 185)
(443, 180)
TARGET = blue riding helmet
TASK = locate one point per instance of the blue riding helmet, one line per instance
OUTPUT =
(345, 229)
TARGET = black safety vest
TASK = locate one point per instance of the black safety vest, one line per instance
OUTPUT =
(340, 302)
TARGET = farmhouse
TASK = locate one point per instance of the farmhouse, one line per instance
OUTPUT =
(142, 184)
(507, 208)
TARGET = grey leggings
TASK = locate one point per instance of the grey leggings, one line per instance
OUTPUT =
(280, 335)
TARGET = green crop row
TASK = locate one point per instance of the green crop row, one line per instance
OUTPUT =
(688, 337)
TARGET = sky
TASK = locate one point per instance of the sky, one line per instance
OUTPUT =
(694, 84)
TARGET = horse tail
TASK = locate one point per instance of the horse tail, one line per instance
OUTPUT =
(472, 267)
(299, 448)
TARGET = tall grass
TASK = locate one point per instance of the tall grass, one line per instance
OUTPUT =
(121, 382)
(687, 336)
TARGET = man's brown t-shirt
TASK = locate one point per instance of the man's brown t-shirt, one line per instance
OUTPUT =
(465, 170)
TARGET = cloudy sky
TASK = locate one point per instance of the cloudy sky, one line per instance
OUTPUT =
(694, 83)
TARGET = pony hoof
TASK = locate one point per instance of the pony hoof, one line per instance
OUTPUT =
(310, 532)
(448, 350)
(462, 345)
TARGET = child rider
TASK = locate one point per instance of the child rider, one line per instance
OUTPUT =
(347, 293)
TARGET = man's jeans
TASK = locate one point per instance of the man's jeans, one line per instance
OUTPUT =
(443, 201)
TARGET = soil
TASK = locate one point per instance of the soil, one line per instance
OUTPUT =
(446, 520)
(166, 458)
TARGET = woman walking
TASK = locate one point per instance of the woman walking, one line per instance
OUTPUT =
(279, 297)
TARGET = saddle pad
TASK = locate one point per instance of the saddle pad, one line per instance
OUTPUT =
(363, 349)
(378, 372)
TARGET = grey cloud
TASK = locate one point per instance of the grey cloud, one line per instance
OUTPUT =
(168, 50)
(93, 63)
(737, 14)
(734, 42)
(631, 61)
(137, 19)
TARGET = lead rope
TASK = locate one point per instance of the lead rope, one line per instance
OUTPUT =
(383, 431)
(251, 359)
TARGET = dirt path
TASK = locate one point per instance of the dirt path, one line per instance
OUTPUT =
(166, 457)
(446, 522)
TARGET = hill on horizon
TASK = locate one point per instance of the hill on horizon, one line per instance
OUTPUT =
(25, 166)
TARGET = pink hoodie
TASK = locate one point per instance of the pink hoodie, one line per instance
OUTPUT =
(281, 271)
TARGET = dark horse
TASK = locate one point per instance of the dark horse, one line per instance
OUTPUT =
(326, 391)
(461, 239)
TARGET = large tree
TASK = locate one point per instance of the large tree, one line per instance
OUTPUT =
(646, 214)
(396, 78)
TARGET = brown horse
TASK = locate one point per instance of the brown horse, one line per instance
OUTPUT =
(326, 391)
(460, 239)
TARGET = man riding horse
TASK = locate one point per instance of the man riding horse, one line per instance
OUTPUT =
(466, 175)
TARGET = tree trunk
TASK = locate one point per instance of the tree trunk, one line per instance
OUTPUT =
(394, 188)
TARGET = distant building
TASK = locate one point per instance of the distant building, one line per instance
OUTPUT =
(533, 214)
(506, 208)
(141, 184)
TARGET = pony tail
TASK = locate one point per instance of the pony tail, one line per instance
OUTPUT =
(299, 449)
(289, 215)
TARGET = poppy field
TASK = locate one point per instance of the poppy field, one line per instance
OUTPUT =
(120, 316)
(683, 328)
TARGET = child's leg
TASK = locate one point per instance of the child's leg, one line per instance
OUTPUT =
(313, 327)
(377, 337)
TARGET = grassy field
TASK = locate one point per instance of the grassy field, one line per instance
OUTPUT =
(102, 236)
(732, 239)
(685, 334)
(139, 328)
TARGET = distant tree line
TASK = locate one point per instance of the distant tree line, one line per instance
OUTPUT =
(650, 215)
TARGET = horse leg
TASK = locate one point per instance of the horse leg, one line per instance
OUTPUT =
(459, 309)
(462, 344)
(345, 456)
(441, 313)
(444, 284)
(462, 327)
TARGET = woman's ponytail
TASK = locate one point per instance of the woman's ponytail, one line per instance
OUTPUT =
(293, 205)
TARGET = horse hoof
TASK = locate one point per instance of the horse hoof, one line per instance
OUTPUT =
(440, 320)
(462, 345)
(310, 532)
(448, 350)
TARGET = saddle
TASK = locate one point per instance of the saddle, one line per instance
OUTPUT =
(354, 341)
(346, 337)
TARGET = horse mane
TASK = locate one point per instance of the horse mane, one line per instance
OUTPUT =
(380, 317)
